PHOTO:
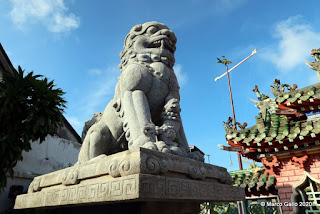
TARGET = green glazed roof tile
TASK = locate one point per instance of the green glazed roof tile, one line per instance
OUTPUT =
(243, 135)
(280, 99)
(262, 135)
(234, 134)
(317, 96)
(280, 137)
(310, 93)
(238, 139)
(286, 96)
(305, 97)
(309, 127)
(304, 132)
(316, 131)
(261, 183)
(249, 139)
(269, 138)
(293, 135)
(252, 184)
(253, 179)
(275, 131)
(273, 134)
(297, 130)
(292, 100)
(258, 139)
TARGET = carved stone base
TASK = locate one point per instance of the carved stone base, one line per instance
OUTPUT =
(147, 207)
(139, 175)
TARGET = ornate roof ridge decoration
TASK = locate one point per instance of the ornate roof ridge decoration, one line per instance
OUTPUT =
(254, 179)
(281, 124)
(304, 96)
(278, 88)
(229, 126)
(315, 53)
(309, 95)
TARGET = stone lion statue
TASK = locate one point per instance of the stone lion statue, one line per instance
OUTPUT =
(145, 110)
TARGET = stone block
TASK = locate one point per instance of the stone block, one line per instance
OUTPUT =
(132, 176)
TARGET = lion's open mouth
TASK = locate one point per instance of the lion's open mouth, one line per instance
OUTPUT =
(163, 44)
(155, 44)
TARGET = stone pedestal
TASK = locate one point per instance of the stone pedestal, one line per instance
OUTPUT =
(149, 180)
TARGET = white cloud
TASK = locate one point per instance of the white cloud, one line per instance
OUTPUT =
(102, 89)
(182, 77)
(296, 38)
(95, 71)
(51, 13)
(62, 23)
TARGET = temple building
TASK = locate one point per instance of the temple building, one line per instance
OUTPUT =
(286, 140)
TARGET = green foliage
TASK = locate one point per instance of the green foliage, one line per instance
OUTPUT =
(30, 109)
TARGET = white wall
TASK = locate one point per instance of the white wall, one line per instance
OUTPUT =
(5, 202)
(51, 155)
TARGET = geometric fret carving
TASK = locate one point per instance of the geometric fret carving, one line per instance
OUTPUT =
(133, 187)
(270, 166)
(301, 161)
(139, 174)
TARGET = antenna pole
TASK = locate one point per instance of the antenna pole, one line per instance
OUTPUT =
(233, 114)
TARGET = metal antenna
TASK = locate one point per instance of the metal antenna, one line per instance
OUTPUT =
(226, 62)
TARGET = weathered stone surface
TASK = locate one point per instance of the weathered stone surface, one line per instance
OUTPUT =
(145, 110)
(136, 175)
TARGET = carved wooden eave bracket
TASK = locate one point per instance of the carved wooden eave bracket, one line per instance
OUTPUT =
(270, 164)
(301, 161)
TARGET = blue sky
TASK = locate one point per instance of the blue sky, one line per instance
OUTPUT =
(77, 43)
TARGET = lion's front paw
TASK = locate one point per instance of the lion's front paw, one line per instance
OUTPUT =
(196, 156)
(162, 147)
(178, 151)
(150, 145)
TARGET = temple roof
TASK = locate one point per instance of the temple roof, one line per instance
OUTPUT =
(299, 99)
(254, 180)
(283, 123)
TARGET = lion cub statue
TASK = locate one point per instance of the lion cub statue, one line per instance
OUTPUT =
(145, 110)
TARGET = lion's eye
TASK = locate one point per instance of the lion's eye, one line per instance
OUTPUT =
(152, 30)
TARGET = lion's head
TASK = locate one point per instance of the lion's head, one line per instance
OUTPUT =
(149, 42)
